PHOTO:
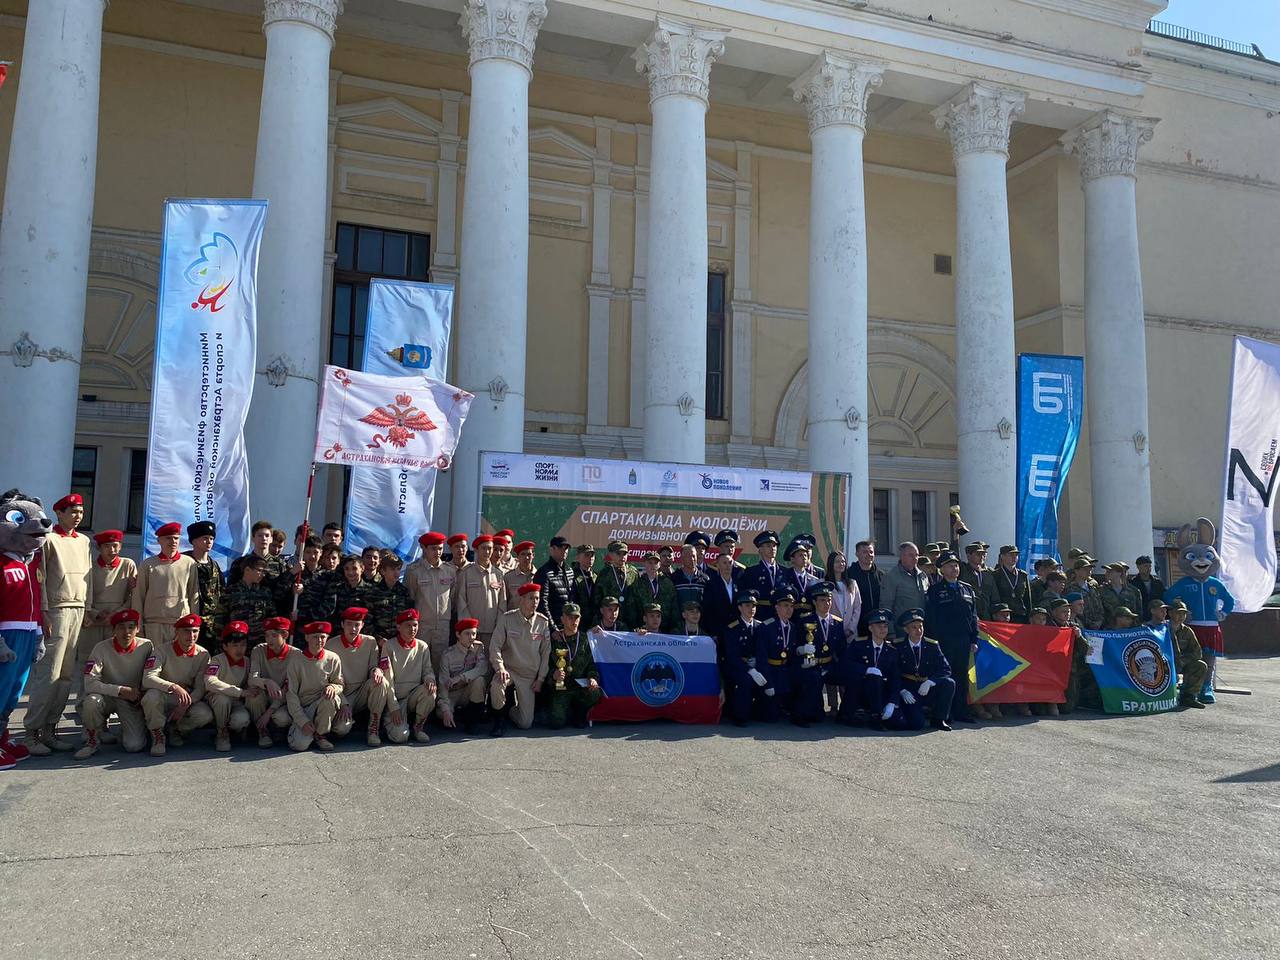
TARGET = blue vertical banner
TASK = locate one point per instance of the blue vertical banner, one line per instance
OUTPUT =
(406, 334)
(1050, 412)
(205, 353)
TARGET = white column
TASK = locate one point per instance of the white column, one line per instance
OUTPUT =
(291, 171)
(44, 241)
(493, 295)
(1115, 334)
(600, 289)
(678, 59)
(835, 91)
(978, 120)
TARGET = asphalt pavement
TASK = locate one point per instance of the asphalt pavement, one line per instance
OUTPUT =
(1074, 838)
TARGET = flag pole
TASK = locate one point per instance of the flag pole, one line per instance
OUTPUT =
(306, 532)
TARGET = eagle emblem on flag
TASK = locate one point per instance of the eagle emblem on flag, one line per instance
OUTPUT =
(400, 419)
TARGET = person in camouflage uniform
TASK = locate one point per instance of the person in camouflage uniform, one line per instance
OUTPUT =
(371, 557)
(1118, 592)
(1188, 656)
(616, 577)
(316, 586)
(250, 600)
(388, 596)
(348, 589)
(651, 586)
(1082, 688)
(570, 660)
(211, 583)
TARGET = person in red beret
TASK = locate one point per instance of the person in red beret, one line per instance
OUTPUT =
(168, 586)
(521, 573)
(267, 665)
(118, 673)
(459, 552)
(226, 684)
(503, 557)
(518, 652)
(364, 682)
(413, 681)
(66, 565)
(179, 707)
(463, 677)
(114, 579)
(432, 584)
(482, 592)
(313, 690)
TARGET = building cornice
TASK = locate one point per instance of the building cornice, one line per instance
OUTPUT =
(1133, 14)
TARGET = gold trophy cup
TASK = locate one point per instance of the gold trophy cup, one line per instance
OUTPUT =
(810, 659)
(560, 665)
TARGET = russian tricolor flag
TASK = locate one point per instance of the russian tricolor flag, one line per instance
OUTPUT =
(645, 676)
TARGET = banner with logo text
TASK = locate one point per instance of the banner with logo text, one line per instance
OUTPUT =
(202, 379)
(1135, 669)
(1248, 505)
(652, 675)
(406, 332)
(1050, 412)
(648, 505)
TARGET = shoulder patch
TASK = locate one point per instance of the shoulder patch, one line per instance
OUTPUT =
(88, 667)
(929, 640)
(211, 670)
(732, 625)
(149, 662)
(837, 619)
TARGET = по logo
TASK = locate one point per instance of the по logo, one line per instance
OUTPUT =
(1146, 666)
(706, 481)
(214, 271)
(657, 679)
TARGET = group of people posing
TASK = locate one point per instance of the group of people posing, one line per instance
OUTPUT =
(302, 648)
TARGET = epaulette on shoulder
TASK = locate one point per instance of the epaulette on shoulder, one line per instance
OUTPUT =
(732, 625)
(837, 619)
(771, 620)
(930, 640)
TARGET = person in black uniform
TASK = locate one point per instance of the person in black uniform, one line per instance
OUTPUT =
(773, 652)
(926, 675)
(763, 577)
(871, 678)
(745, 683)
(818, 643)
(951, 618)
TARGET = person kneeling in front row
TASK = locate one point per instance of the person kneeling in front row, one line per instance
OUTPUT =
(871, 678)
(226, 685)
(364, 682)
(926, 677)
(268, 666)
(463, 677)
(313, 689)
(178, 704)
(575, 682)
(116, 675)
(518, 650)
(412, 691)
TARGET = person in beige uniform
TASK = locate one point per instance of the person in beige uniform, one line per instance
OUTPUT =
(463, 677)
(268, 666)
(482, 592)
(431, 584)
(364, 682)
(313, 689)
(522, 573)
(168, 586)
(114, 580)
(116, 675)
(518, 652)
(177, 706)
(226, 685)
(459, 546)
(413, 684)
(65, 566)
(503, 558)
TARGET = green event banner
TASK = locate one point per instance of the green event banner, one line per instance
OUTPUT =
(649, 505)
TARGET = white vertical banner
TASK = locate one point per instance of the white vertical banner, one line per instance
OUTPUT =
(1253, 443)
(406, 333)
(205, 353)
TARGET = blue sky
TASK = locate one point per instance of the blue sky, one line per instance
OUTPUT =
(1249, 21)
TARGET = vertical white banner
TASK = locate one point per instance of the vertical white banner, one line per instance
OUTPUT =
(206, 336)
(1253, 442)
(406, 333)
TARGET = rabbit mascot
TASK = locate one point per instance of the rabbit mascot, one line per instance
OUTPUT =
(23, 527)
(1207, 598)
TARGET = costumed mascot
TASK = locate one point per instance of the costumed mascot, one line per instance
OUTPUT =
(23, 527)
(1207, 598)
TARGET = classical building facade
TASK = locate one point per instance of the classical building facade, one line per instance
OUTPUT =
(797, 233)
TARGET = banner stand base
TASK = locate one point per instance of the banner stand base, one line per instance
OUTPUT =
(1242, 691)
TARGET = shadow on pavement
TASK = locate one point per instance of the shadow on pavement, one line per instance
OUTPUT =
(1269, 774)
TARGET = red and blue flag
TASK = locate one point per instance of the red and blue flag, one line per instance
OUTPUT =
(652, 675)
(1020, 663)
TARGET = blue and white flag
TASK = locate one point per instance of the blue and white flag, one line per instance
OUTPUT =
(406, 334)
(1050, 411)
(652, 675)
(205, 353)
(1135, 669)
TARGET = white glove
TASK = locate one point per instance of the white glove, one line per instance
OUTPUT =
(39, 654)
(926, 687)
(768, 691)
(874, 672)
(907, 698)
(6, 654)
(807, 649)
(757, 676)
(888, 711)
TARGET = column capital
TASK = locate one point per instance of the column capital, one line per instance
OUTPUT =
(978, 118)
(503, 29)
(1107, 144)
(678, 58)
(321, 14)
(835, 90)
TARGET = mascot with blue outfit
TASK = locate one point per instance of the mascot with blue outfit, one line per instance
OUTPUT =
(1207, 598)
(23, 527)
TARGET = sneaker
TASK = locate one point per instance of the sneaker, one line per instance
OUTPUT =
(6, 760)
(50, 736)
(420, 735)
(16, 751)
(36, 747)
(222, 742)
(324, 743)
(88, 749)
(157, 743)
(266, 741)
(175, 739)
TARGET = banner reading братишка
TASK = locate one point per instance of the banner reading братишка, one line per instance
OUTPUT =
(648, 505)
(1135, 669)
